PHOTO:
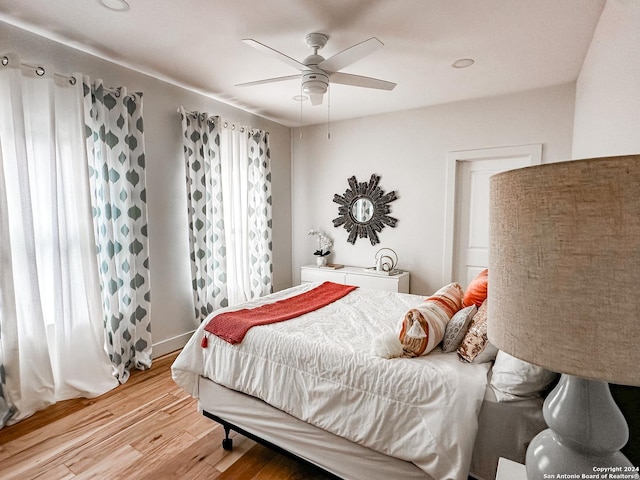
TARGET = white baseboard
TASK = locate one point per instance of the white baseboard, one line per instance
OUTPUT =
(171, 344)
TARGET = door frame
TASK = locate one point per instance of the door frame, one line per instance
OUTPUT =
(532, 151)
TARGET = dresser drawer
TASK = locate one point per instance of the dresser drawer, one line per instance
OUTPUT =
(376, 283)
(315, 274)
(356, 276)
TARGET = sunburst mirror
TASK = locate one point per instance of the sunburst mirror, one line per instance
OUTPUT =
(363, 209)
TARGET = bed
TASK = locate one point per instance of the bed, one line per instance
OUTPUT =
(313, 387)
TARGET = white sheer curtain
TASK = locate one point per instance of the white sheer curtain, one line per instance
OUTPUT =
(51, 330)
(246, 189)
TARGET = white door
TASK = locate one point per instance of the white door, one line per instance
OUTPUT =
(467, 237)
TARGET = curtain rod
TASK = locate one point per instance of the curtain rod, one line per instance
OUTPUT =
(40, 71)
(194, 114)
(225, 124)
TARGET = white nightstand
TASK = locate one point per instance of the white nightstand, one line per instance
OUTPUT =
(357, 276)
(510, 470)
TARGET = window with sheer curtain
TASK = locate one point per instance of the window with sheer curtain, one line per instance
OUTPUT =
(57, 313)
(51, 332)
(228, 174)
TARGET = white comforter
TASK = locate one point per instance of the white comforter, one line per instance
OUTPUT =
(320, 368)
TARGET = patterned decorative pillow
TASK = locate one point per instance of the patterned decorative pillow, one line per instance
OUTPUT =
(423, 327)
(476, 291)
(475, 346)
(457, 328)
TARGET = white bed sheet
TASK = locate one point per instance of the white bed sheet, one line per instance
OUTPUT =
(320, 369)
(332, 453)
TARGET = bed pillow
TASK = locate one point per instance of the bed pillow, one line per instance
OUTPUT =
(513, 379)
(457, 328)
(423, 327)
(476, 291)
(475, 346)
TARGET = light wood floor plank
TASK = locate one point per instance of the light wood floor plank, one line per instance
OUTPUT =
(146, 429)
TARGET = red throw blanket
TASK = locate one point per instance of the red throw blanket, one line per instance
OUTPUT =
(232, 326)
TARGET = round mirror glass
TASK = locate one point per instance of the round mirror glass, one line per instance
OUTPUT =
(362, 210)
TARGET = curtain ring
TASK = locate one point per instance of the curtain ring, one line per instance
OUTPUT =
(72, 80)
(40, 71)
(5, 61)
(117, 92)
(202, 117)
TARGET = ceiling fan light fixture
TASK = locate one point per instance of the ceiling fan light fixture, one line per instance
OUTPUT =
(315, 83)
(314, 87)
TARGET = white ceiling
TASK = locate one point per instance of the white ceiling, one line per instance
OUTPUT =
(517, 45)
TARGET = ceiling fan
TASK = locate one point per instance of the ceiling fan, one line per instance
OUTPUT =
(317, 72)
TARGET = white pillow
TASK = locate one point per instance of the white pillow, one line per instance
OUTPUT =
(514, 379)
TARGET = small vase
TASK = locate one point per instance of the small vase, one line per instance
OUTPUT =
(321, 261)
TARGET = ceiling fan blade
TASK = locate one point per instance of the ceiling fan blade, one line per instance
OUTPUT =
(316, 98)
(268, 80)
(350, 55)
(274, 53)
(360, 81)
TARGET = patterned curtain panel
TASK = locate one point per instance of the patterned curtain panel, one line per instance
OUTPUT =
(201, 139)
(229, 206)
(115, 146)
(259, 220)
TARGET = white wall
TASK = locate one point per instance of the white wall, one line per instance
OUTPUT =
(171, 300)
(409, 151)
(607, 113)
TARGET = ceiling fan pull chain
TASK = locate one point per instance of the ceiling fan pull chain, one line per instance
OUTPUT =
(301, 102)
(329, 112)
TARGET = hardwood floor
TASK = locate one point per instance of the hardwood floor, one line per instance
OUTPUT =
(146, 429)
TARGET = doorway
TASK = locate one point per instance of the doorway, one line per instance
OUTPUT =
(466, 250)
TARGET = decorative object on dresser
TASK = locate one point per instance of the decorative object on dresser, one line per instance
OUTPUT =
(324, 242)
(564, 261)
(386, 260)
(364, 209)
(358, 276)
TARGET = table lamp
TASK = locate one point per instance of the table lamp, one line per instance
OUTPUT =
(564, 294)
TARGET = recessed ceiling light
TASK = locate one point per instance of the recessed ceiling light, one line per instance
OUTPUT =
(300, 98)
(463, 63)
(115, 5)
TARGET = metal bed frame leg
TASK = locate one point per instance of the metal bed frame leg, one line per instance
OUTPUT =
(227, 443)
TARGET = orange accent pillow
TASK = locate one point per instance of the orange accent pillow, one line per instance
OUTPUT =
(476, 292)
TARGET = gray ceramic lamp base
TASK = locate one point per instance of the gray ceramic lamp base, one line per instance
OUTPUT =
(586, 431)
